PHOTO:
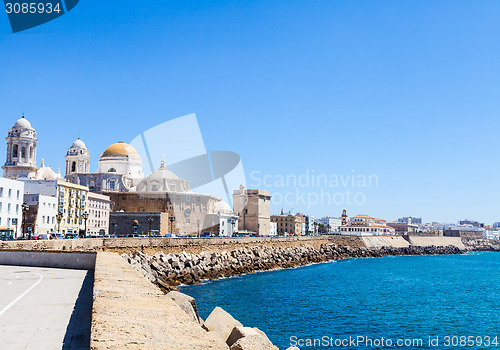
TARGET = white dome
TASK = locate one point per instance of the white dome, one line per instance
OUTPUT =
(23, 123)
(78, 144)
(222, 207)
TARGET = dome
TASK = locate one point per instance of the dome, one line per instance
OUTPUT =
(23, 123)
(121, 150)
(222, 207)
(78, 144)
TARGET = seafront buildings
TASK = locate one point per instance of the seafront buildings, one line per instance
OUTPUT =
(11, 207)
(85, 200)
(119, 199)
(364, 225)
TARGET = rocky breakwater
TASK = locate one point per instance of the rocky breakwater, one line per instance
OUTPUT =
(482, 245)
(170, 270)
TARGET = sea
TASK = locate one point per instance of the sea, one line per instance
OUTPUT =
(393, 302)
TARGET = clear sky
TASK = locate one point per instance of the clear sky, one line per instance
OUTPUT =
(407, 91)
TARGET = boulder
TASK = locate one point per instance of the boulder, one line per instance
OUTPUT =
(187, 304)
(258, 341)
(241, 332)
(222, 322)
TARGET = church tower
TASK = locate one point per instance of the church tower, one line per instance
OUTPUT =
(21, 151)
(77, 159)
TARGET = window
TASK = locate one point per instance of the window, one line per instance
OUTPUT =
(73, 167)
(15, 151)
(17, 208)
(112, 185)
(112, 170)
(18, 193)
(1, 207)
(141, 197)
(8, 221)
(8, 208)
(1, 192)
(10, 193)
(188, 198)
(23, 153)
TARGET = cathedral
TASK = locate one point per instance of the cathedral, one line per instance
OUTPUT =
(120, 176)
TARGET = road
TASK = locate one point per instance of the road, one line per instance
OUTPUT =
(45, 308)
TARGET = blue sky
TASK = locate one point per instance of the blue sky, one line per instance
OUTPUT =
(404, 90)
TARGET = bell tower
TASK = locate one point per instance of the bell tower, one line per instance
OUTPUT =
(21, 151)
(77, 158)
(344, 217)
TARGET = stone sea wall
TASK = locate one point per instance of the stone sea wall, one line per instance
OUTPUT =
(169, 270)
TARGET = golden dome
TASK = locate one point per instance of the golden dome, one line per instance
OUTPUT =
(122, 150)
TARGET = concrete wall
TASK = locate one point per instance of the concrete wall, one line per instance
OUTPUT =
(78, 261)
(385, 241)
(436, 241)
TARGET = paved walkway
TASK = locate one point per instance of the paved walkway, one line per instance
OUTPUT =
(44, 308)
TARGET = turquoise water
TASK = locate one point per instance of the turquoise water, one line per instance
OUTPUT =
(405, 298)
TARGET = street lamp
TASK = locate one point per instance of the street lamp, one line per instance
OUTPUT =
(232, 221)
(25, 208)
(134, 224)
(171, 218)
(150, 220)
(85, 217)
(59, 217)
(198, 223)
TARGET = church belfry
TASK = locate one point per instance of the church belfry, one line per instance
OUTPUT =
(77, 159)
(21, 151)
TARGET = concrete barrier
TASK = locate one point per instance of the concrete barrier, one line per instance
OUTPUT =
(436, 241)
(78, 261)
(385, 241)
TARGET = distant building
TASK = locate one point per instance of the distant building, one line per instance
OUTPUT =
(253, 208)
(42, 214)
(99, 207)
(274, 229)
(471, 223)
(288, 224)
(364, 225)
(491, 234)
(464, 232)
(332, 224)
(402, 228)
(11, 213)
(410, 220)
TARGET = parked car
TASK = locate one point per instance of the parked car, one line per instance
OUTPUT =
(7, 238)
(56, 236)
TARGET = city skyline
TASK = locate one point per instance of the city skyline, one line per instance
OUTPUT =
(401, 91)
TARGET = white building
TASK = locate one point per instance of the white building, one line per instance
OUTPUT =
(274, 229)
(11, 211)
(98, 210)
(364, 225)
(44, 209)
(331, 223)
(224, 219)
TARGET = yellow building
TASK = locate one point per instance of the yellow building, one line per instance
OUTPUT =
(72, 201)
(290, 224)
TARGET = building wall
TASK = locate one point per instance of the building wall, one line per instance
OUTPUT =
(186, 208)
(334, 223)
(99, 207)
(122, 223)
(11, 200)
(44, 213)
(288, 224)
(254, 210)
(72, 202)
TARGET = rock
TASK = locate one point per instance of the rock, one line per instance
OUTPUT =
(241, 332)
(258, 341)
(186, 303)
(222, 322)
